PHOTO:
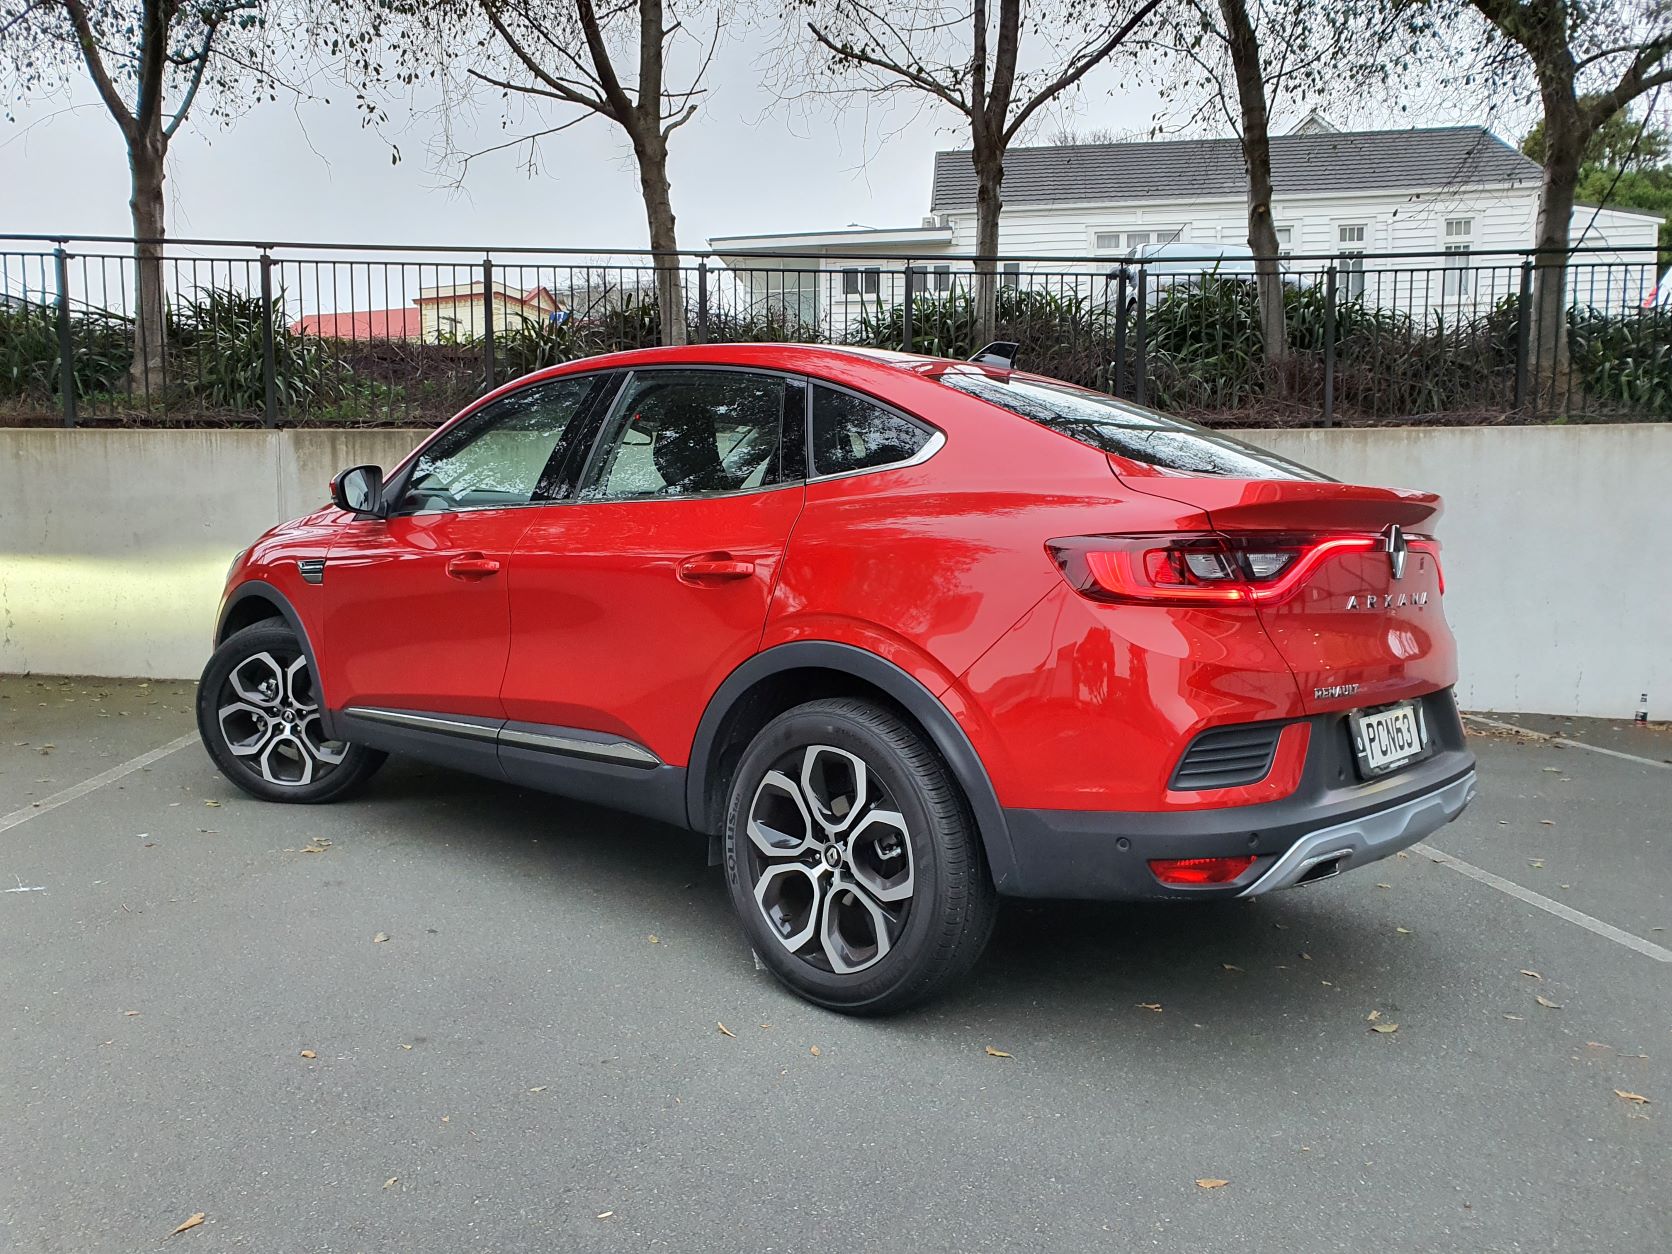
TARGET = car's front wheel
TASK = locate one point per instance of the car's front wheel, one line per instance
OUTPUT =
(258, 712)
(852, 859)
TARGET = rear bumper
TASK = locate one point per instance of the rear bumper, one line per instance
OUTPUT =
(1332, 823)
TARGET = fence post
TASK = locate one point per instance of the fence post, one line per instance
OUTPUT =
(1120, 331)
(1523, 332)
(1140, 387)
(906, 332)
(702, 301)
(66, 343)
(1329, 346)
(269, 382)
(487, 325)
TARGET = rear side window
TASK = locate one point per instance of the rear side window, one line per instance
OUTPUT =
(1139, 435)
(851, 433)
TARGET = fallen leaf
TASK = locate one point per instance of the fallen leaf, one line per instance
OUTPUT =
(128, 1014)
(1544, 1001)
(1373, 1016)
(539, 1088)
(1547, 822)
(1150, 1005)
(815, 1051)
(1596, 1045)
(606, 1214)
(725, 1031)
(1531, 975)
(1553, 770)
(1638, 1098)
(654, 940)
(1384, 886)
(308, 1053)
(316, 845)
(1230, 966)
(1517, 1018)
(1536, 863)
(390, 1182)
(211, 803)
(406, 1046)
(380, 938)
(1210, 1183)
(1402, 854)
(998, 1053)
(1384, 1028)
(190, 1223)
(1403, 931)
(1306, 957)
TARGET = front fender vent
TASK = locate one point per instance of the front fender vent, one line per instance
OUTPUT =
(1227, 757)
(312, 568)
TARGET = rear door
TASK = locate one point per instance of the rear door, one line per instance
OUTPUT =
(635, 598)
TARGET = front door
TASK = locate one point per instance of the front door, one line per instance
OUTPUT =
(632, 602)
(417, 604)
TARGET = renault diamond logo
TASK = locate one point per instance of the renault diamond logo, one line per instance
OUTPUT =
(1393, 541)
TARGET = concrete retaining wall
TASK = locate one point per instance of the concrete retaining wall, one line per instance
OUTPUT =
(114, 544)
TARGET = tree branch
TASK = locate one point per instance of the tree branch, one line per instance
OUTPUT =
(916, 78)
(1076, 72)
(96, 68)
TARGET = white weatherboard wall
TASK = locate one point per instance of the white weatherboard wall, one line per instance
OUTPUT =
(113, 545)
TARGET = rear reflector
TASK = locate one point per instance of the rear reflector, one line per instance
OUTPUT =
(1199, 870)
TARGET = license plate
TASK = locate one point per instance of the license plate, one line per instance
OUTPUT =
(1387, 739)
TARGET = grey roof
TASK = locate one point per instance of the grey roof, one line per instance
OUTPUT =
(1341, 161)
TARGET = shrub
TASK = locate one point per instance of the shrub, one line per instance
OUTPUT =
(102, 350)
(216, 337)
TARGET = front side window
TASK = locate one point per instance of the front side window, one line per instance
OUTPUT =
(505, 454)
(851, 433)
(1138, 435)
(675, 433)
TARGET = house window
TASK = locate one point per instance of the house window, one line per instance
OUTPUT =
(855, 281)
(1127, 242)
(1285, 241)
(943, 278)
(1349, 238)
(1106, 242)
(1011, 274)
(1459, 237)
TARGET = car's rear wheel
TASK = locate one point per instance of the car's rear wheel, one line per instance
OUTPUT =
(258, 712)
(852, 860)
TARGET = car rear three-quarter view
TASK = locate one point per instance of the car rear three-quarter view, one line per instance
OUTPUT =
(900, 635)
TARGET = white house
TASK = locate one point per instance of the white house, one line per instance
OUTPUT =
(1428, 221)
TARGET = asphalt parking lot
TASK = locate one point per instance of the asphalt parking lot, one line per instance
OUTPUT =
(200, 1016)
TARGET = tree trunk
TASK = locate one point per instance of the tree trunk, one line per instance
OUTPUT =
(1564, 148)
(1256, 157)
(989, 173)
(145, 163)
(652, 155)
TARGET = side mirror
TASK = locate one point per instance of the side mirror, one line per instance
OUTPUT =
(360, 491)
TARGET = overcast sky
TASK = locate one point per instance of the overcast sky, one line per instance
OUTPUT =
(311, 171)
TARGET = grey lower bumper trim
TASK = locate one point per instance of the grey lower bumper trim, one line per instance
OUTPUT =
(1368, 837)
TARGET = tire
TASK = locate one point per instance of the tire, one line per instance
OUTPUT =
(258, 714)
(864, 903)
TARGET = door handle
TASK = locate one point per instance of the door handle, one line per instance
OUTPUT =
(714, 567)
(472, 566)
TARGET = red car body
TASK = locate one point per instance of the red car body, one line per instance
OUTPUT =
(1027, 597)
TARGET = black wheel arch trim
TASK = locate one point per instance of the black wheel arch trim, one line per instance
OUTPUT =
(936, 720)
(257, 589)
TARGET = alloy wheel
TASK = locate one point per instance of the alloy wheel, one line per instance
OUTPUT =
(829, 859)
(269, 718)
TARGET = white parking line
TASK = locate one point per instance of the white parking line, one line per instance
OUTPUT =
(35, 809)
(1605, 930)
(1565, 742)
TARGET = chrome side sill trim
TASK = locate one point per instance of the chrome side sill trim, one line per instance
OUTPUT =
(624, 751)
(1368, 837)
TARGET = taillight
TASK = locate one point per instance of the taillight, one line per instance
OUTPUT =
(1193, 569)
(1200, 870)
(1430, 546)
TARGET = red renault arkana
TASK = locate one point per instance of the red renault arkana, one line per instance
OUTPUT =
(899, 635)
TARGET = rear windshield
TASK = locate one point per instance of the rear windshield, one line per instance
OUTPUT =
(1139, 435)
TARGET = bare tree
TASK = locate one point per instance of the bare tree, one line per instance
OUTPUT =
(150, 61)
(970, 60)
(1252, 58)
(1587, 63)
(609, 62)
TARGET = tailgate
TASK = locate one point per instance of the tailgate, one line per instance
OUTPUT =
(1364, 626)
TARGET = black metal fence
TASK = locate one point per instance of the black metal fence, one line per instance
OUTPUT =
(291, 334)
